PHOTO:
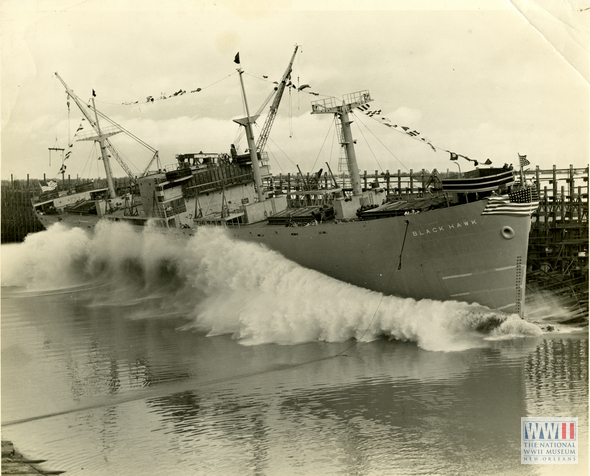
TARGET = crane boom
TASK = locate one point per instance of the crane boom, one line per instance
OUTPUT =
(135, 138)
(79, 103)
(275, 105)
(101, 138)
(120, 160)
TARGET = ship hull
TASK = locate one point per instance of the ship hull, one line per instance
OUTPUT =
(453, 253)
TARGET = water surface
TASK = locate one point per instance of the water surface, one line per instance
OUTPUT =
(125, 354)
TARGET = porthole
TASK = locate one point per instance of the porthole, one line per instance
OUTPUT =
(508, 232)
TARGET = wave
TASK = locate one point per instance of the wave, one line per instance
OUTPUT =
(223, 286)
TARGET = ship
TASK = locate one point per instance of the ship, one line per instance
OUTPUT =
(463, 238)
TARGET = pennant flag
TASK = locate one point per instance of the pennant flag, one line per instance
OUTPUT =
(523, 161)
(163, 96)
(455, 156)
(237, 58)
(427, 141)
(387, 122)
(69, 152)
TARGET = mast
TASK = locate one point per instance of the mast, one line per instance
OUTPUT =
(101, 138)
(255, 149)
(247, 123)
(341, 111)
(522, 161)
(104, 154)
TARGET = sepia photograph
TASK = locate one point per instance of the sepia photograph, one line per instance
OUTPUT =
(294, 237)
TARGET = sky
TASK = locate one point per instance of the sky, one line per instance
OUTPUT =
(487, 80)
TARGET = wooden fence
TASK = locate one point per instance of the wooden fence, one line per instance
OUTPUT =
(18, 218)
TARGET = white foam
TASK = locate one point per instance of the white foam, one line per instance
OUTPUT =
(223, 286)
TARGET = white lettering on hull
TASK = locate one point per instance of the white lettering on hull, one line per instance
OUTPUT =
(441, 229)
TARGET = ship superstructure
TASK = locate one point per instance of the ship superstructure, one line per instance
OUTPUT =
(464, 239)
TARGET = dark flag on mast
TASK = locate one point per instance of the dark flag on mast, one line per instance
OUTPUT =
(93, 93)
(237, 58)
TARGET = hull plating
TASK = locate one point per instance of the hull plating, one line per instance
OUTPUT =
(447, 254)
(453, 253)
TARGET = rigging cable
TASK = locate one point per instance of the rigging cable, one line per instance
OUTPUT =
(415, 135)
(369, 146)
(381, 142)
(323, 143)
(172, 96)
(290, 114)
(69, 120)
(284, 153)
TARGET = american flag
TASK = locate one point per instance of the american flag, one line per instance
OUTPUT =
(519, 203)
(525, 195)
(523, 160)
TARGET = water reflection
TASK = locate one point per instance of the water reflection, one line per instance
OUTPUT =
(556, 382)
(125, 396)
(382, 421)
(555, 368)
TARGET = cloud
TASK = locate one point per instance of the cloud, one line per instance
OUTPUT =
(444, 73)
(406, 116)
(15, 53)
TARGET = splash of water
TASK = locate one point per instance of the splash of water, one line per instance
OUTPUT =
(227, 287)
